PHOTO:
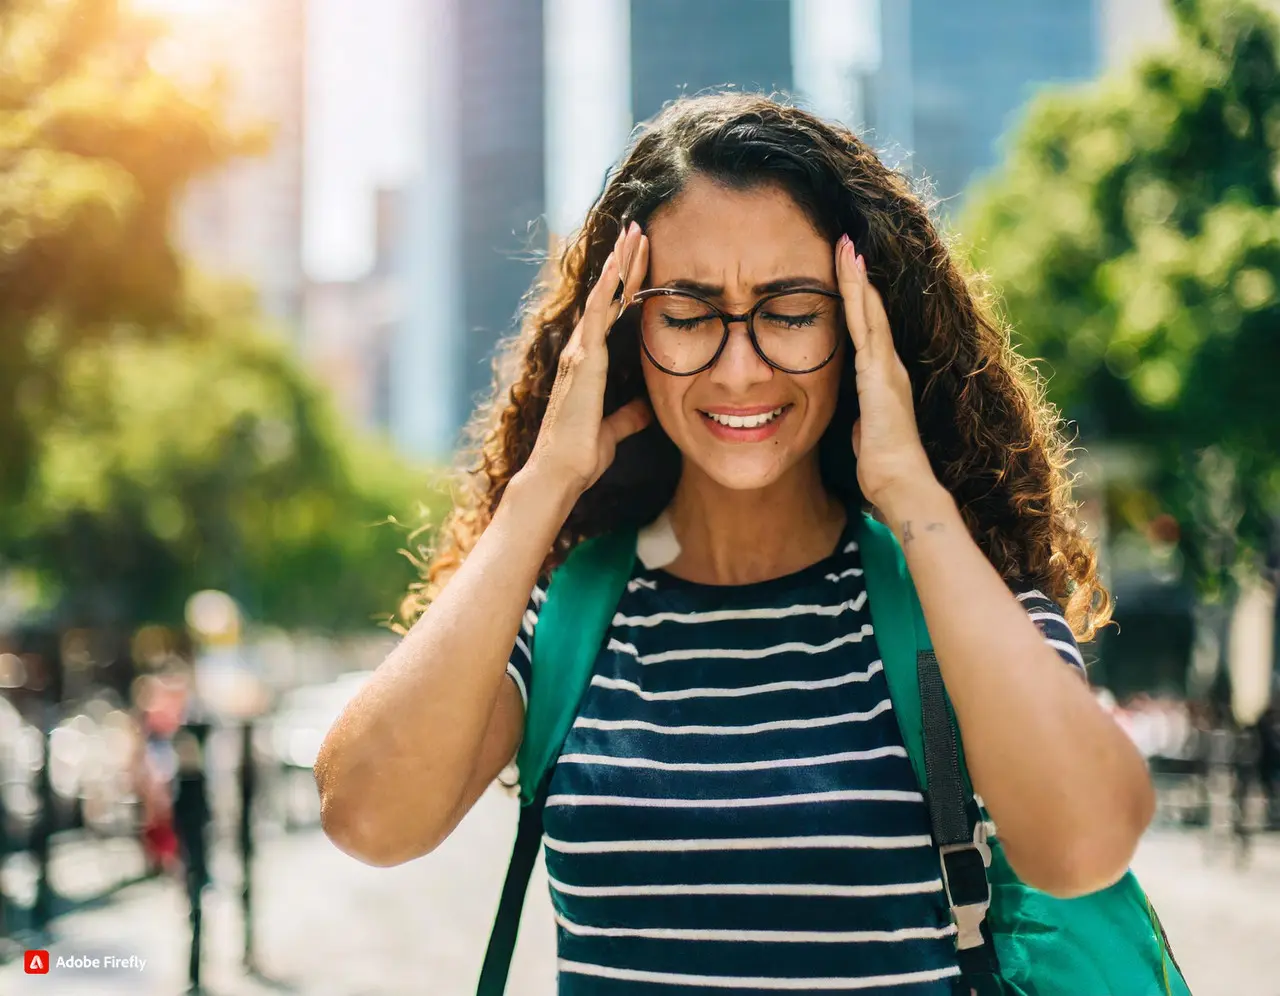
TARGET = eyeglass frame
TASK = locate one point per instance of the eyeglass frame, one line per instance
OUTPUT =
(726, 319)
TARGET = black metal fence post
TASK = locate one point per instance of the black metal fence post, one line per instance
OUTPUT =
(42, 831)
(4, 854)
(248, 785)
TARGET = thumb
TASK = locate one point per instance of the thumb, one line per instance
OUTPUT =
(627, 420)
(857, 438)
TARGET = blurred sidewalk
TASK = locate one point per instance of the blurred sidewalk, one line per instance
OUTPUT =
(329, 926)
(326, 924)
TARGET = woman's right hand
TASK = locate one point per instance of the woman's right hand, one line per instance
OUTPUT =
(576, 443)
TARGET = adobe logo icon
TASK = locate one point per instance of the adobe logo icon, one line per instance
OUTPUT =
(36, 962)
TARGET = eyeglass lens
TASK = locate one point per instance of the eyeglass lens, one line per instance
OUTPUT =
(796, 330)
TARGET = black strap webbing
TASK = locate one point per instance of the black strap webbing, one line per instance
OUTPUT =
(947, 804)
(953, 825)
(502, 941)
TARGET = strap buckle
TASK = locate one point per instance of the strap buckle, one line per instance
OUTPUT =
(964, 880)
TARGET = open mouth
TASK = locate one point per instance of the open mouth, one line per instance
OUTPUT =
(757, 420)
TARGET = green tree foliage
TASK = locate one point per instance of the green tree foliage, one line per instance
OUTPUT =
(208, 460)
(1134, 231)
(94, 147)
(154, 438)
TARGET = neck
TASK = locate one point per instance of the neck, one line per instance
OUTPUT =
(739, 537)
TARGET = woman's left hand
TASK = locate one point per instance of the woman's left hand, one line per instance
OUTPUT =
(891, 459)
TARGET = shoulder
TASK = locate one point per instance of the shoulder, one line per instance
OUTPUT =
(520, 663)
(1048, 616)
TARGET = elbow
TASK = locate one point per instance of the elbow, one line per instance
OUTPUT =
(1096, 856)
(1082, 872)
(352, 834)
(361, 835)
(363, 828)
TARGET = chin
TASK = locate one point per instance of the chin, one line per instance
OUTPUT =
(745, 472)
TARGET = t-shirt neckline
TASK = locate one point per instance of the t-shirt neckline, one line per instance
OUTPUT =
(793, 579)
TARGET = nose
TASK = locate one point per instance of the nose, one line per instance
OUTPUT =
(739, 365)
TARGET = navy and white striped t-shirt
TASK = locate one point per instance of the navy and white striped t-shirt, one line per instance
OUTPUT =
(734, 810)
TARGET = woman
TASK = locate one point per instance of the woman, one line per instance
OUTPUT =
(733, 810)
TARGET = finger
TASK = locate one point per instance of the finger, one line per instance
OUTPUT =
(636, 267)
(879, 334)
(595, 316)
(627, 420)
(852, 290)
(857, 438)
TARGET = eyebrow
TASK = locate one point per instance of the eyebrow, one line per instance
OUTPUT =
(769, 287)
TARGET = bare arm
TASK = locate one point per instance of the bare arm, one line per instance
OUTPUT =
(439, 719)
(1068, 790)
(1066, 787)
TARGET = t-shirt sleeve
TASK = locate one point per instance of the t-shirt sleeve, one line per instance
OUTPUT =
(1047, 614)
(520, 663)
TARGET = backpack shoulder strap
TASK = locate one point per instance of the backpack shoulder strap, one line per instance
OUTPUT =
(924, 712)
(581, 600)
(900, 635)
(932, 739)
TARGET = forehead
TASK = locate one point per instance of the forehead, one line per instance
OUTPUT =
(726, 236)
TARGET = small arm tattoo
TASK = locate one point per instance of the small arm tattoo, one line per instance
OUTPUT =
(908, 534)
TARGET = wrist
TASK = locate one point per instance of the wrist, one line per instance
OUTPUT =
(917, 500)
(544, 492)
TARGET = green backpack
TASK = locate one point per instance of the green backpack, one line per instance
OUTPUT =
(1012, 940)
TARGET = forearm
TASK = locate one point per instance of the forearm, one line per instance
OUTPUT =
(1064, 784)
(393, 766)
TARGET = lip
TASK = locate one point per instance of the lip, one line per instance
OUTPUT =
(753, 410)
(731, 435)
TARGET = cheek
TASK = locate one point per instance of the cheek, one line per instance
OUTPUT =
(665, 394)
(824, 392)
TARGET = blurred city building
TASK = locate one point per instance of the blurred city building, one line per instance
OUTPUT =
(350, 324)
(971, 68)
(245, 221)
(472, 211)
(838, 68)
(687, 46)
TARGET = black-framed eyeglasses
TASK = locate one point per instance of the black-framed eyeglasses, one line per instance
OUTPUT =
(794, 331)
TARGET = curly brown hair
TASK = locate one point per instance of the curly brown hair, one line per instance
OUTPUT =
(993, 441)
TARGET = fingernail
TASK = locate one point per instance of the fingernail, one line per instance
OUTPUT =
(862, 265)
(844, 241)
(634, 227)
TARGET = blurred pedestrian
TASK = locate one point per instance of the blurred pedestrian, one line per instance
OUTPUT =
(159, 705)
(154, 772)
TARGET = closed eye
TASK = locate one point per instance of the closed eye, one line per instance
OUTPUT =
(685, 323)
(792, 321)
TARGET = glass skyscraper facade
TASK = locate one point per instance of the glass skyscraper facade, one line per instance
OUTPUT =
(973, 67)
(466, 257)
(685, 46)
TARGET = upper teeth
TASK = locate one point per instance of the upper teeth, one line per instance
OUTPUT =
(745, 421)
